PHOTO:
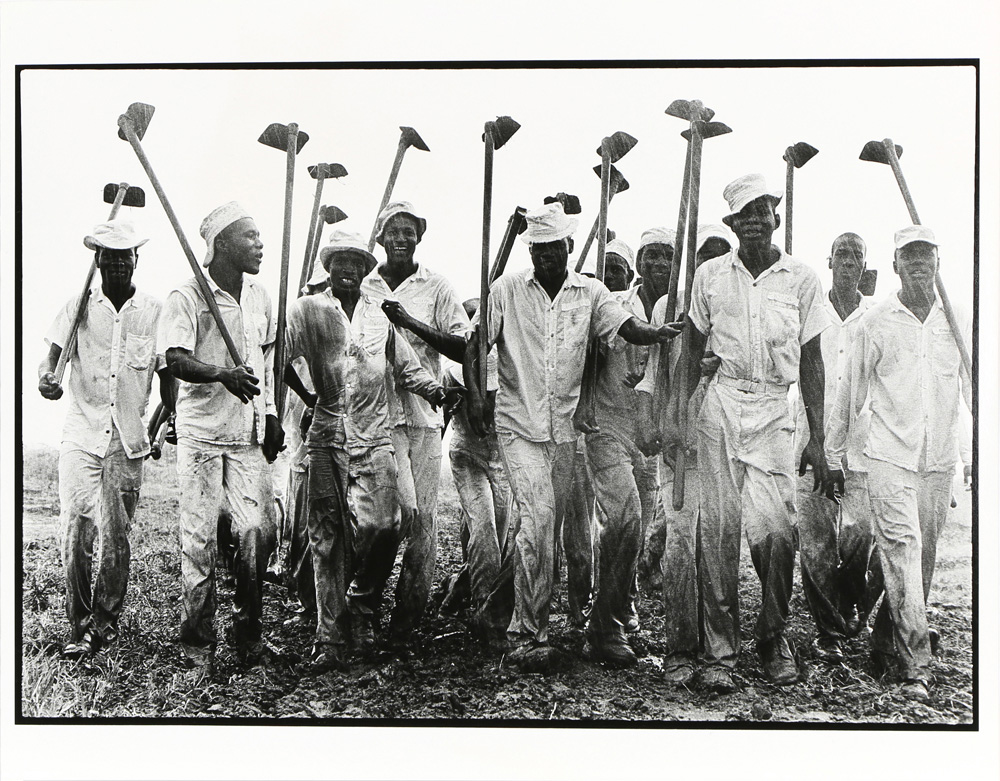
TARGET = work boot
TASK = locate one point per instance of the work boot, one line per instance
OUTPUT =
(828, 649)
(678, 669)
(718, 679)
(536, 658)
(778, 661)
(916, 690)
(613, 652)
(327, 657)
(85, 647)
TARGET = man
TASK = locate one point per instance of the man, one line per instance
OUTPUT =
(674, 544)
(429, 298)
(905, 364)
(351, 349)
(835, 544)
(541, 320)
(227, 431)
(763, 312)
(104, 440)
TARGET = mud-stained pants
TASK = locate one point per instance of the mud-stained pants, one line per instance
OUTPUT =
(540, 475)
(909, 509)
(679, 563)
(745, 463)
(299, 576)
(209, 475)
(835, 545)
(575, 528)
(418, 460)
(331, 541)
(89, 485)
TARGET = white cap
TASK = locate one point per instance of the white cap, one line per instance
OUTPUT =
(622, 250)
(548, 223)
(216, 222)
(666, 236)
(746, 189)
(912, 233)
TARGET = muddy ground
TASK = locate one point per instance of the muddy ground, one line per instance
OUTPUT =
(446, 677)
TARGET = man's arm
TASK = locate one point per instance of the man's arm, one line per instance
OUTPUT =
(294, 383)
(410, 375)
(47, 384)
(637, 332)
(452, 346)
(812, 384)
(238, 380)
(168, 389)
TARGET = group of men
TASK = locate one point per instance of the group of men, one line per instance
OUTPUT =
(586, 384)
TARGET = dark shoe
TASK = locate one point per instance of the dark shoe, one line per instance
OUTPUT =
(916, 690)
(616, 654)
(778, 661)
(718, 679)
(327, 657)
(828, 649)
(85, 647)
(531, 658)
(678, 670)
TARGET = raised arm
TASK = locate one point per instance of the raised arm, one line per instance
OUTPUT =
(452, 346)
(238, 380)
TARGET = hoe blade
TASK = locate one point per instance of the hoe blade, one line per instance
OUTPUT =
(799, 154)
(690, 110)
(331, 214)
(134, 196)
(276, 136)
(570, 203)
(327, 171)
(875, 152)
(617, 183)
(617, 145)
(502, 130)
(140, 115)
(708, 130)
(412, 138)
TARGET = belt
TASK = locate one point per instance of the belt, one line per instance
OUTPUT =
(749, 386)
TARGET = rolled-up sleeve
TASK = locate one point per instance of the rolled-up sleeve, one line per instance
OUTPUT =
(178, 324)
(58, 333)
(608, 312)
(813, 318)
(699, 313)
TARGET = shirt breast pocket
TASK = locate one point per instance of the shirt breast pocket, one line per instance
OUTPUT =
(422, 308)
(574, 325)
(139, 351)
(781, 319)
(944, 352)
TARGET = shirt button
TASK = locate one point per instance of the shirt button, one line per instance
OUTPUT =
(107, 431)
(112, 376)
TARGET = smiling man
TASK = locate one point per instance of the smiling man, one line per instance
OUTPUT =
(906, 365)
(430, 299)
(763, 312)
(104, 440)
(227, 431)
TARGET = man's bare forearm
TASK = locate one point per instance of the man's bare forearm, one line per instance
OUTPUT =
(50, 360)
(812, 379)
(451, 346)
(184, 366)
(294, 383)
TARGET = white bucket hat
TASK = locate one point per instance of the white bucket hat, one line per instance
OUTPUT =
(347, 241)
(666, 236)
(114, 234)
(912, 233)
(746, 189)
(548, 223)
(216, 222)
(713, 231)
(390, 211)
(622, 250)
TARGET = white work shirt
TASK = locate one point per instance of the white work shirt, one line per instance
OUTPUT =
(911, 374)
(616, 404)
(541, 348)
(207, 412)
(111, 371)
(758, 326)
(430, 298)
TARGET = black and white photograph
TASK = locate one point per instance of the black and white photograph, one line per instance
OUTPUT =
(632, 399)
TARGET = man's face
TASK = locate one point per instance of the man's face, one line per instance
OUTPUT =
(346, 270)
(654, 266)
(755, 223)
(117, 267)
(400, 238)
(549, 260)
(916, 264)
(241, 242)
(847, 262)
(713, 247)
(616, 273)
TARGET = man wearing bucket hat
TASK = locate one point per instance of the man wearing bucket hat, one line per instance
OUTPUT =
(763, 312)
(350, 346)
(227, 431)
(906, 366)
(104, 439)
(540, 321)
(416, 433)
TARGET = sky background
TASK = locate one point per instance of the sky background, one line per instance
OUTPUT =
(202, 144)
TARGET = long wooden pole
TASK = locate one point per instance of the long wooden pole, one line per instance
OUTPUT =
(389, 185)
(314, 230)
(789, 190)
(286, 240)
(484, 288)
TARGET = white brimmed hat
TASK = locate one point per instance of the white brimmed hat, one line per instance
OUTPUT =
(114, 234)
(666, 236)
(712, 231)
(622, 250)
(217, 221)
(548, 223)
(747, 189)
(912, 233)
(347, 241)
(390, 211)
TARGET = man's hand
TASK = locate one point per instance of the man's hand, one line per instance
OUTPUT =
(396, 313)
(633, 377)
(834, 485)
(274, 438)
(49, 387)
(583, 422)
(648, 441)
(710, 364)
(669, 331)
(813, 454)
(476, 410)
(241, 382)
(305, 420)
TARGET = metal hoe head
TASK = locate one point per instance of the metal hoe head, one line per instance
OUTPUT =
(570, 203)
(327, 171)
(617, 183)
(799, 154)
(276, 136)
(617, 145)
(332, 214)
(134, 196)
(690, 110)
(502, 130)
(412, 138)
(875, 152)
(139, 114)
(707, 129)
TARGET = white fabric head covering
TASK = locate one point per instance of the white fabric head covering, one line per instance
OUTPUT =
(712, 231)
(216, 222)
(548, 223)
(742, 191)
(390, 211)
(347, 241)
(912, 233)
(623, 250)
(114, 234)
(666, 236)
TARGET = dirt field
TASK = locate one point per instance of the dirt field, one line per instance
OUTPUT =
(446, 676)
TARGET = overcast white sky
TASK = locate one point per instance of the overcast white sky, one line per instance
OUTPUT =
(202, 143)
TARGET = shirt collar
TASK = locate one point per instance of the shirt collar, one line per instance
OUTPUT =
(99, 297)
(572, 278)
(898, 306)
(863, 304)
(781, 264)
